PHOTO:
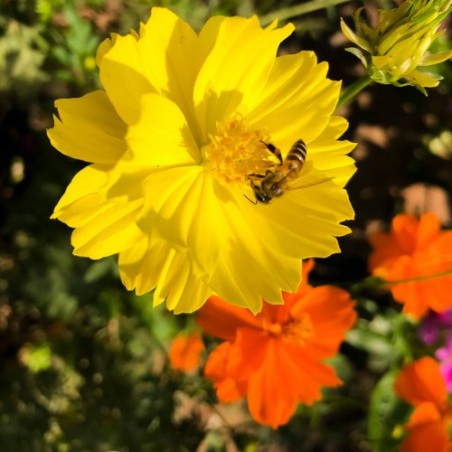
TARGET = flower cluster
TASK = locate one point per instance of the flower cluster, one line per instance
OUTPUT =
(275, 358)
(177, 142)
(421, 384)
(395, 49)
(415, 260)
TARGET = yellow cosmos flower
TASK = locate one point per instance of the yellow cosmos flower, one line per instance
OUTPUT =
(176, 141)
(398, 45)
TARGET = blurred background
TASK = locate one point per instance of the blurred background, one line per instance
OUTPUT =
(83, 363)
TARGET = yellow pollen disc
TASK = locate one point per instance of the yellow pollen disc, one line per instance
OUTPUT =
(236, 151)
(298, 330)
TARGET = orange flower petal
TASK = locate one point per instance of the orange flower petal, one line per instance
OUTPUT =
(185, 352)
(220, 319)
(272, 396)
(419, 252)
(405, 228)
(413, 297)
(421, 382)
(331, 311)
(429, 228)
(443, 245)
(422, 385)
(228, 389)
(426, 431)
(424, 413)
(314, 376)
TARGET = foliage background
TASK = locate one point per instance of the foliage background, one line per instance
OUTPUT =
(83, 363)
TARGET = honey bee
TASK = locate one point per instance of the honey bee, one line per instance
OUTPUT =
(275, 181)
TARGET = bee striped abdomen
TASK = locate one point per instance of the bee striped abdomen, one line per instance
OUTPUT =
(297, 155)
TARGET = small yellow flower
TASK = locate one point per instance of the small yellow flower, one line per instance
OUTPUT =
(175, 140)
(398, 45)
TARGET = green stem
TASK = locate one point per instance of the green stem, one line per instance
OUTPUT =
(402, 342)
(352, 90)
(375, 282)
(420, 278)
(298, 10)
(371, 282)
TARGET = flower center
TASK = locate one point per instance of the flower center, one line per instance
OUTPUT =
(296, 331)
(236, 151)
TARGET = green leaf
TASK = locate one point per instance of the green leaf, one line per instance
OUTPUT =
(386, 413)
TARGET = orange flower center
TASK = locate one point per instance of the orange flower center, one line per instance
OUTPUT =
(297, 331)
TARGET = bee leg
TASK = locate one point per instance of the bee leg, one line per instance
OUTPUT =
(253, 176)
(274, 150)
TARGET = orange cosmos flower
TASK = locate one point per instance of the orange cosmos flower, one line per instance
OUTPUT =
(418, 252)
(422, 385)
(276, 357)
(185, 352)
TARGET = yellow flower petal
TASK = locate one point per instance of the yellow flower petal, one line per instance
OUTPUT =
(86, 182)
(104, 225)
(140, 265)
(178, 285)
(436, 58)
(296, 222)
(352, 36)
(155, 268)
(110, 231)
(297, 101)
(169, 56)
(423, 79)
(243, 248)
(99, 183)
(102, 140)
(162, 128)
(170, 213)
(122, 76)
(218, 93)
(320, 151)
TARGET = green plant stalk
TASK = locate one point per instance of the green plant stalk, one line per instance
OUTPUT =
(371, 282)
(376, 282)
(298, 10)
(352, 90)
(419, 278)
(401, 341)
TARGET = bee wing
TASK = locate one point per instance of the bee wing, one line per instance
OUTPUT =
(309, 177)
(310, 184)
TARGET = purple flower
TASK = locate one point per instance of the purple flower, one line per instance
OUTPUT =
(433, 324)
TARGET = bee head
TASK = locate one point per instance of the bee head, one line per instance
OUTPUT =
(262, 195)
